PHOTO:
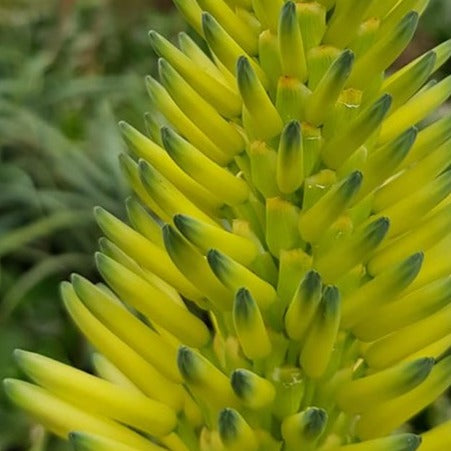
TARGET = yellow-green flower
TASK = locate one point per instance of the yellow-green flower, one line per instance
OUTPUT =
(284, 282)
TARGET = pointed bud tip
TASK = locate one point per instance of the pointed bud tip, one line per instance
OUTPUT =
(19, 355)
(355, 178)
(317, 419)
(240, 382)
(227, 424)
(180, 221)
(243, 69)
(416, 259)
(292, 130)
(167, 233)
(384, 103)
(312, 280)
(153, 35)
(98, 211)
(123, 126)
(207, 21)
(413, 442)
(185, 361)
(347, 57)
(213, 257)
(243, 294)
(288, 9)
(76, 279)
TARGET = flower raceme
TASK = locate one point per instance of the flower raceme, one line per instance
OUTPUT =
(285, 280)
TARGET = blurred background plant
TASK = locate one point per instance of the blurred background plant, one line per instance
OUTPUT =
(69, 69)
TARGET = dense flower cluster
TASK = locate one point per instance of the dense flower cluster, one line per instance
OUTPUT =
(285, 281)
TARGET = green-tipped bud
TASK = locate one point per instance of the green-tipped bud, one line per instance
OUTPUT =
(192, 263)
(351, 250)
(315, 221)
(234, 276)
(428, 232)
(143, 222)
(205, 236)
(383, 162)
(153, 303)
(224, 135)
(436, 264)
(430, 137)
(339, 148)
(326, 93)
(96, 395)
(387, 416)
(406, 310)
(130, 170)
(127, 327)
(249, 326)
(155, 155)
(207, 380)
(401, 343)
(443, 53)
(409, 211)
(409, 181)
(401, 86)
(234, 26)
(320, 339)
(206, 172)
(290, 43)
(303, 306)
(172, 199)
(214, 90)
(235, 433)
(225, 47)
(140, 372)
(398, 12)
(360, 395)
(398, 442)
(281, 225)
(153, 121)
(383, 52)
(163, 101)
(253, 391)
(144, 252)
(415, 110)
(382, 289)
(290, 159)
(61, 417)
(303, 429)
(264, 117)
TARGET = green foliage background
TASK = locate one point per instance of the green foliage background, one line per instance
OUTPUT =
(69, 69)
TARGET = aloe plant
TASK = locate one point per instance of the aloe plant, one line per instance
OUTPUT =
(284, 282)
